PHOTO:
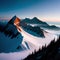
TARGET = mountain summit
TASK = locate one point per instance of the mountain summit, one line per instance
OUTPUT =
(34, 20)
(15, 20)
(11, 27)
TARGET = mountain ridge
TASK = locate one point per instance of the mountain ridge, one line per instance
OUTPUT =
(34, 20)
(39, 23)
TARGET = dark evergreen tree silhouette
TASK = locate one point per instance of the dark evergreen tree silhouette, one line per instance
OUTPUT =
(51, 52)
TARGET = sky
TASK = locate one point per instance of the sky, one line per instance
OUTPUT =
(46, 10)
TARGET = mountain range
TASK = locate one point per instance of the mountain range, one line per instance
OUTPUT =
(12, 31)
(19, 36)
(40, 23)
(34, 20)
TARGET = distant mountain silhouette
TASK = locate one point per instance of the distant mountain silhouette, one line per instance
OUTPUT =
(51, 52)
(35, 20)
(39, 23)
(53, 26)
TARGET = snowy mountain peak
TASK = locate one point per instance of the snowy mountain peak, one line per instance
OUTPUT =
(14, 19)
(35, 18)
(12, 26)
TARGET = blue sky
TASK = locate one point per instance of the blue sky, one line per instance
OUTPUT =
(46, 10)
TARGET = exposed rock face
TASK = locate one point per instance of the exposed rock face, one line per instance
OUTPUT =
(17, 21)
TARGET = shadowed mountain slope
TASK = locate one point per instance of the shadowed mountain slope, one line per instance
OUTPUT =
(10, 38)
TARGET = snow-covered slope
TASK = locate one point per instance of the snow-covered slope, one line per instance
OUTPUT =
(32, 42)
(38, 41)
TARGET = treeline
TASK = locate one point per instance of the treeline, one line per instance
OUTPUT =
(51, 52)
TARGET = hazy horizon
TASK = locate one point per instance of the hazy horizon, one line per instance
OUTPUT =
(49, 22)
(46, 10)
